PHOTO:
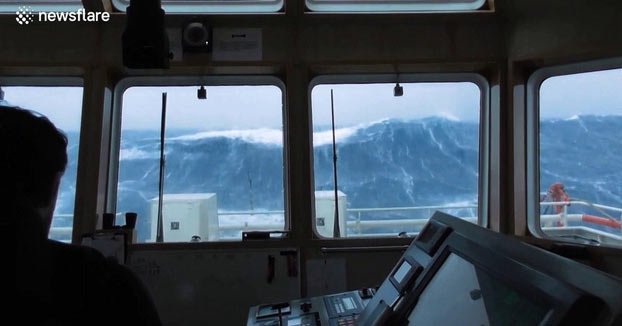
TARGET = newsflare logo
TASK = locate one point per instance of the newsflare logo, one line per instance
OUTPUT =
(25, 16)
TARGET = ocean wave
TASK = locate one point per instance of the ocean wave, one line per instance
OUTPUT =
(325, 137)
(262, 136)
(137, 154)
(269, 136)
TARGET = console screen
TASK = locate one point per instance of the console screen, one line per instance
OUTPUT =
(462, 294)
(401, 272)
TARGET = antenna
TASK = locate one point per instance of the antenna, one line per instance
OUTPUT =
(250, 191)
(336, 224)
(160, 230)
(397, 90)
(202, 93)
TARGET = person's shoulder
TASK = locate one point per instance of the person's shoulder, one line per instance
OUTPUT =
(72, 248)
(81, 254)
(91, 261)
(107, 283)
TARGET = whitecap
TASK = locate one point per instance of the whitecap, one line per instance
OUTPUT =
(263, 136)
(137, 154)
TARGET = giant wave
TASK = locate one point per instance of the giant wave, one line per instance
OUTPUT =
(387, 163)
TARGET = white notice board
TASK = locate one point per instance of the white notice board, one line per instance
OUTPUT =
(237, 44)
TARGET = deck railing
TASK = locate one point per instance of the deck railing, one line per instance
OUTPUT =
(360, 227)
(560, 224)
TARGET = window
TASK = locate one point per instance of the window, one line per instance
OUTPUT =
(577, 171)
(224, 161)
(40, 5)
(399, 158)
(393, 5)
(212, 6)
(63, 106)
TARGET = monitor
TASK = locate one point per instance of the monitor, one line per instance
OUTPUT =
(471, 296)
(458, 273)
(404, 273)
(402, 270)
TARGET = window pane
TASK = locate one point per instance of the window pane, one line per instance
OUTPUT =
(63, 106)
(393, 5)
(398, 158)
(212, 6)
(580, 148)
(40, 5)
(224, 161)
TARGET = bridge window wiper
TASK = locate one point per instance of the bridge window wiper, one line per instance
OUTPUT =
(579, 237)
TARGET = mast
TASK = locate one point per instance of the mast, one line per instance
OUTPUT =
(160, 229)
(336, 231)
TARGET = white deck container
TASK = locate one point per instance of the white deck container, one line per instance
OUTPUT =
(186, 215)
(325, 213)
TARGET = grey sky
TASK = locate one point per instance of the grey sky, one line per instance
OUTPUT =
(598, 93)
(62, 105)
(250, 107)
(226, 107)
(364, 103)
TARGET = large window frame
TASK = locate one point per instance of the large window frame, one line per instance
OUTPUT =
(532, 150)
(213, 6)
(484, 128)
(8, 6)
(394, 5)
(117, 111)
(60, 81)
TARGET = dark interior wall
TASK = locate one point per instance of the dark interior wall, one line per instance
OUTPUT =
(314, 39)
(506, 44)
(542, 34)
(563, 30)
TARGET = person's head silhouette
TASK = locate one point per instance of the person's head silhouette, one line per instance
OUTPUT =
(53, 275)
(33, 160)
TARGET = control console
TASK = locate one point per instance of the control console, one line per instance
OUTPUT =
(458, 273)
(341, 309)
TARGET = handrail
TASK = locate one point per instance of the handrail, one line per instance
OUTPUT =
(358, 225)
(411, 208)
(249, 212)
(563, 218)
(580, 202)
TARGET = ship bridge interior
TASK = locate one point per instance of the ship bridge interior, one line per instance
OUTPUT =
(272, 150)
